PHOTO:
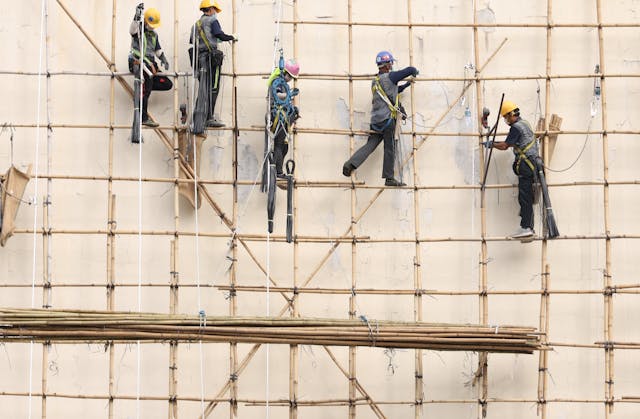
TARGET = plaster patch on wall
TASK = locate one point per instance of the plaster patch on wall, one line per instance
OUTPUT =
(247, 169)
(215, 157)
(360, 118)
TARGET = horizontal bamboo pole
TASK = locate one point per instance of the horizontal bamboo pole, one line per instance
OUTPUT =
(321, 240)
(464, 25)
(358, 400)
(333, 76)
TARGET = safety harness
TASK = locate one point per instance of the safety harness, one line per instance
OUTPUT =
(521, 154)
(203, 35)
(153, 39)
(282, 108)
(376, 88)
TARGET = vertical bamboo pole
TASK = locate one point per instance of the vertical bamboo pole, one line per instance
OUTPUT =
(174, 276)
(483, 306)
(608, 296)
(294, 357)
(417, 263)
(352, 298)
(544, 338)
(233, 347)
(173, 345)
(46, 234)
(544, 277)
(111, 212)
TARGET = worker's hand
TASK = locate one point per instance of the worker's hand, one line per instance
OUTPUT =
(235, 37)
(139, 10)
(487, 144)
(415, 73)
(295, 91)
(165, 63)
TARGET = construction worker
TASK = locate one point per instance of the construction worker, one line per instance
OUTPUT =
(207, 61)
(150, 50)
(525, 149)
(283, 113)
(384, 113)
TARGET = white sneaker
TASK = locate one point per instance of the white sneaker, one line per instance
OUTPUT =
(522, 232)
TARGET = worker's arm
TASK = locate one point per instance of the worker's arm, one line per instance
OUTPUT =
(502, 145)
(216, 30)
(396, 76)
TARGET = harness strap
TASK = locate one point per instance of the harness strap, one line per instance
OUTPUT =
(522, 156)
(136, 53)
(377, 88)
(203, 35)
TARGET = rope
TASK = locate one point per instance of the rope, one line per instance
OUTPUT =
(594, 112)
(35, 207)
(276, 43)
(193, 141)
(139, 288)
(12, 130)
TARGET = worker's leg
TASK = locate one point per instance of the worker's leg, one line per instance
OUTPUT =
(525, 195)
(389, 151)
(216, 67)
(146, 93)
(363, 152)
(280, 148)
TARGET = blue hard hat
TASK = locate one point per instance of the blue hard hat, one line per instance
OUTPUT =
(384, 57)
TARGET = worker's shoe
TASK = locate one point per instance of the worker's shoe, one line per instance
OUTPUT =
(347, 168)
(523, 233)
(149, 123)
(281, 176)
(214, 123)
(393, 182)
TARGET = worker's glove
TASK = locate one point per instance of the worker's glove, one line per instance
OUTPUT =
(235, 37)
(403, 113)
(415, 73)
(139, 10)
(295, 91)
(487, 144)
(165, 63)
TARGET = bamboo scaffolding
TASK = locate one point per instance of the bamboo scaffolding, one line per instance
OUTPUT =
(57, 325)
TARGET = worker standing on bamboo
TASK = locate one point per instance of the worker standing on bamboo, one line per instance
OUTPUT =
(206, 59)
(146, 56)
(525, 150)
(384, 114)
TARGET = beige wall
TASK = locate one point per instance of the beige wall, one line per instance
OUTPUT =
(450, 210)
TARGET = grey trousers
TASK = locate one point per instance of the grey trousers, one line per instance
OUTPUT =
(374, 139)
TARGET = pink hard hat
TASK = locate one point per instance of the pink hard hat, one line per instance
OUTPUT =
(293, 68)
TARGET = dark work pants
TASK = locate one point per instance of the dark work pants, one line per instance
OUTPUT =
(374, 139)
(280, 147)
(526, 177)
(147, 88)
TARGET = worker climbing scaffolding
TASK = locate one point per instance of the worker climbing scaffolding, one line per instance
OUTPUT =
(206, 60)
(281, 116)
(145, 48)
(385, 111)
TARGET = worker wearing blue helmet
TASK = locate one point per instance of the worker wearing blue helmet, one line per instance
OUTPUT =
(384, 114)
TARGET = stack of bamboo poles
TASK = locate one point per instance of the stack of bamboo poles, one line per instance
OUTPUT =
(60, 326)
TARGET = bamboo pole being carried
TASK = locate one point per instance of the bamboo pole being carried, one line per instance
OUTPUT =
(100, 326)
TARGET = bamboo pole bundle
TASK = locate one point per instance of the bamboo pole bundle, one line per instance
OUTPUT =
(57, 325)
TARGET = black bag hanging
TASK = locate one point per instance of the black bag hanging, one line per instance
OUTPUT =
(291, 167)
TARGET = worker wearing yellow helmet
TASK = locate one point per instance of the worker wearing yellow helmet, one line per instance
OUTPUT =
(146, 56)
(206, 60)
(525, 148)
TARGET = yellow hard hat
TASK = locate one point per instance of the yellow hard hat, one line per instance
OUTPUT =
(507, 106)
(152, 17)
(205, 4)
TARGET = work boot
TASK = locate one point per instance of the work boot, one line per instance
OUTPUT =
(347, 168)
(149, 123)
(214, 123)
(522, 232)
(393, 182)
